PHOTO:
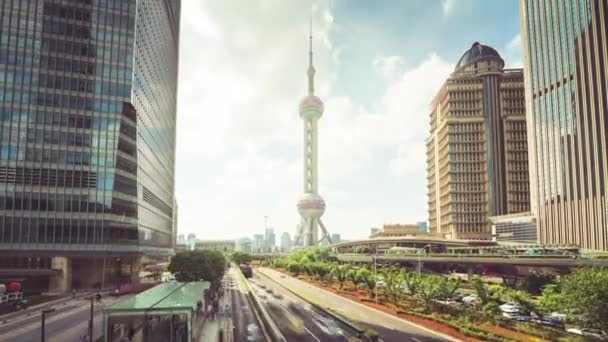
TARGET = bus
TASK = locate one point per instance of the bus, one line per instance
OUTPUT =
(246, 270)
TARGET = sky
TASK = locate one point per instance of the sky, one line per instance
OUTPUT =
(242, 73)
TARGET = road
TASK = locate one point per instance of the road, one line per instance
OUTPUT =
(68, 323)
(242, 312)
(284, 308)
(390, 328)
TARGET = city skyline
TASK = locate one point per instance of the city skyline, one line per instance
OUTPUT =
(372, 137)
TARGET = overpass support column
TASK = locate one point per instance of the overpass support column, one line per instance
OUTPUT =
(62, 281)
(470, 273)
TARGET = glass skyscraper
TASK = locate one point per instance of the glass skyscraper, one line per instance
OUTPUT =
(88, 116)
(565, 54)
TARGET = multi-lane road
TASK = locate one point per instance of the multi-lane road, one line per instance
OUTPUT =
(243, 315)
(296, 319)
(390, 328)
(68, 323)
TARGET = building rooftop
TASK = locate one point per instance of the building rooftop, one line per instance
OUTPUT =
(163, 296)
(476, 53)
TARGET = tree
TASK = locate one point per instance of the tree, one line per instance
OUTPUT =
(368, 278)
(481, 289)
(393, 281)
(294, 267)
(196, 265)
(448, 287)
(243, 258)
(585, 294)
(340, 273)
(353, 277)
(550, 299)
(411, 281)
(429, 289)
(535, 281)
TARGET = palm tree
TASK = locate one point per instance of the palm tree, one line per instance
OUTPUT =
(340, 273)
(393, 281)
(368, 278)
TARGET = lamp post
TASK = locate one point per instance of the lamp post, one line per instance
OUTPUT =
(419, 258)
(91, 319)
(44, 312)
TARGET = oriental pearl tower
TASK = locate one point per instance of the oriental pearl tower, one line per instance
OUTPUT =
(311, 205)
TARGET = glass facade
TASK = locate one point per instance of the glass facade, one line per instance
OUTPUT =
(87, 122)
(566, 81)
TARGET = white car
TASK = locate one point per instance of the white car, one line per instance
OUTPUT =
(596, 333)
(380, 284)
(253, 333)
(510, 308)
(469, 299)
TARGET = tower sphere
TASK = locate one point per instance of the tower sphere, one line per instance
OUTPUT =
(311, 105)
(311, 205)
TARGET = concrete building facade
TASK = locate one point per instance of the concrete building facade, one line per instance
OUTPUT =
(565, 48)
(477, 164)
(87, 137)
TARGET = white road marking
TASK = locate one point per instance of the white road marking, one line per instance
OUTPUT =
(415, 339)
(311, 334)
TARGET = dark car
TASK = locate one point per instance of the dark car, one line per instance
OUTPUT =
(551, 322)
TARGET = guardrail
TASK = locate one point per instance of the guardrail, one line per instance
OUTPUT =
(271, 331)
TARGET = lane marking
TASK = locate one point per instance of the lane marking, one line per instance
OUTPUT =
(415, 339)
(311, 334)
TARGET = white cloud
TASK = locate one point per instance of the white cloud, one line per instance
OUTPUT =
(388, 66)
(448, 7)
(239, 133)
(512, 52)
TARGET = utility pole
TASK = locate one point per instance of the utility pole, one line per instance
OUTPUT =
(44, 312)
(91, 320)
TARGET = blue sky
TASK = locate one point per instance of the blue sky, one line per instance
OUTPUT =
(243, 72)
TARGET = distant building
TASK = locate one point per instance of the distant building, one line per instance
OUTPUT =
(243, 245)
(181, 239)
(477, 151)
(270, 240)
(285, 242)
(373, 231)
(191, 238)
(389, 230)
(335, 238)
(423, 226)
(520, 227)
(180, 247)
(258, 243)
(227, 246)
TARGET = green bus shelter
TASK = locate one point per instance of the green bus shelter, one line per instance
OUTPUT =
(167, 312)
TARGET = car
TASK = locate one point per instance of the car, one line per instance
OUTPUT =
(278, 296)
(589, 332)
(510, 308)
(380, 284)
(517, 318)
(551, 322)
(253, 333)
(469, 299)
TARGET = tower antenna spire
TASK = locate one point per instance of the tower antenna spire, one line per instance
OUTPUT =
(311, 68)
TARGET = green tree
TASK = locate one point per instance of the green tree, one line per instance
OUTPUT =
(353, 277)
(411, 281)
(393, 280)
(585, 293)
(550, 299)
(294, 267)
(481, 289)
(340, 273)
(430, 289)
(368, 278)
(243, 258)
(448, 287)
(196, 265)
(535, 281)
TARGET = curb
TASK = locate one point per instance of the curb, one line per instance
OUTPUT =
(447, 337)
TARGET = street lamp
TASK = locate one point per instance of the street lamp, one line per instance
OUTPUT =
(44, 312)
(419, 256)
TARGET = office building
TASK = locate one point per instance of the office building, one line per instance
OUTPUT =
(477, 164)
(226, 246)
(269, 240)
(423, 226)
(285, 242)
(258, 245)
(520, 227)
(244, 245)
(335, 238)
(565, 56)
(87, 136)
